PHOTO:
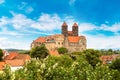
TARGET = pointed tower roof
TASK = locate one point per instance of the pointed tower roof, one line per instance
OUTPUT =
(64, 24)
(75, 24)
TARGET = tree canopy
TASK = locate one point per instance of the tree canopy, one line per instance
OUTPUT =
(62, 50)
(116, 64)
(92, 56)
(65, 68)
(1, 54)
(39, 52)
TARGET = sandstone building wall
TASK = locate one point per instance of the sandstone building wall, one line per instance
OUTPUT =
(68, 39)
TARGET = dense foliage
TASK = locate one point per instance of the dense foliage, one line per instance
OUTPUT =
(39, 52)
(1, 54)
(92, 56)
(62, 50)
(109, 51)
(74, 66)
(116, 64)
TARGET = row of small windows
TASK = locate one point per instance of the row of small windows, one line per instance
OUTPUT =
(50, 39)
(73, 44)
(56, 43)
(59, 43)
(38, 42)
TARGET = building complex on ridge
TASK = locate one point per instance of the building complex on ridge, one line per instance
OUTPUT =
(68, 39)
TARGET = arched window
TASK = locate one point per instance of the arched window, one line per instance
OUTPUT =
(59, 43)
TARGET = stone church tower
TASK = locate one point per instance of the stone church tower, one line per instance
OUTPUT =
(65, 29)
(67, 33)
(75, 29)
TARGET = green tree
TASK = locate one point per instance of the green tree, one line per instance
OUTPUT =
(116, 64)
(7, 74)
(75, 55)
(61, 68)
(1, 54)
(110, 50)
(39, 52)
(92, 56)
(62, 50)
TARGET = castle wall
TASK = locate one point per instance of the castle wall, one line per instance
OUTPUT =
(61, 40)
(50, 45)
(34, 44)
(58, 42)
(73, 47)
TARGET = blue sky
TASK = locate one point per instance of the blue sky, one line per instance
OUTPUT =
(22, 21)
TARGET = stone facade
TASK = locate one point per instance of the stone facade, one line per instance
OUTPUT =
(51, 42)
(75, 43)
(68, 39)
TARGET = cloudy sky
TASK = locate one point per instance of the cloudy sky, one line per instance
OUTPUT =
(22, 21)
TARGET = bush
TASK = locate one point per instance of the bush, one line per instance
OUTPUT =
(62, 50)
(39, 52)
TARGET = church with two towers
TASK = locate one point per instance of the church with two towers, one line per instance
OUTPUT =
(68, 39)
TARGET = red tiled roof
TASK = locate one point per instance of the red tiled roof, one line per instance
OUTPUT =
(2, 64)
(15, 55)
(64, 24)
(11, 56)
(15, 62)
(73, 39)
(75, 24)
(24, 57)
(54, 53)
(40, 39)
(48, 38)
(105, 58)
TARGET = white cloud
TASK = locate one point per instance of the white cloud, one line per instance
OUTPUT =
(2, 1)
(20, 21)
(25, 7)
(12, 33)
(22, 5)
(29, 9)
(3, 21)
(45, 22)
(103, 42)
(100, 41)
(5, 44)
(113, 28)
(3, 38)
(87, 27)
(71, 2)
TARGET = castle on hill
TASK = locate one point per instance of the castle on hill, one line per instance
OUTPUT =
(68, 39)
